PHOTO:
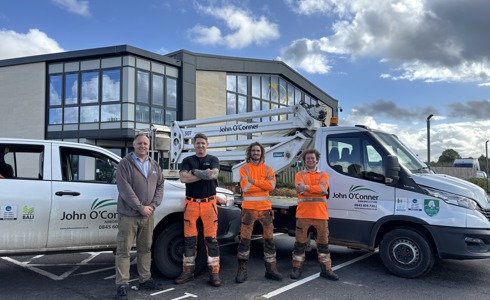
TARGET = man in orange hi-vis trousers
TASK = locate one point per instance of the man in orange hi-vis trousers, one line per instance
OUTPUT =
(256, 180)
(312, 211)
(200, 172)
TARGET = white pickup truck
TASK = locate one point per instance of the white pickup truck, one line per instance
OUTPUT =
(62, 197)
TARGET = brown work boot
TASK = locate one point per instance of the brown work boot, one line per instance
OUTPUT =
(271, 272)
(241, 275)
(328, 274)
(295, 273)
(214, 279)
(186, 275)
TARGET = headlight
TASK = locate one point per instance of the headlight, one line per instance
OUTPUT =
(452, 199)
(225, 199)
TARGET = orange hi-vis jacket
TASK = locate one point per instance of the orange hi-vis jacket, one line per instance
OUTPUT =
(256, 195)
(312, 204)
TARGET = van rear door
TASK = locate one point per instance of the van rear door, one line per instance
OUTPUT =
(25, 199)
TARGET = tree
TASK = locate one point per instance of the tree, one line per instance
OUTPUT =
(448, 156)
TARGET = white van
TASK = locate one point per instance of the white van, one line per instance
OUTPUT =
(467, 163)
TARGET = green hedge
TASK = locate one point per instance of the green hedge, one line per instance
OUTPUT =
(481, 182)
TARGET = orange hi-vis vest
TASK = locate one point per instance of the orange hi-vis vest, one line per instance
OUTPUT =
(312, 204)
(256, 195)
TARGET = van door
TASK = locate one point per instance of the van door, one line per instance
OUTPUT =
(358, 194)
(84, 199)
(25, 198)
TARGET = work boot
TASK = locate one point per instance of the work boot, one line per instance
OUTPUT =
(186, 275)
(214, 279)
(295, 273)
(122, 292)
(271, 272)
(328, 274)
(241, 275)
(150, 285)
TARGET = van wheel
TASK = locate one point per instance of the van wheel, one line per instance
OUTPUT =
(406, 253)
(169, 248)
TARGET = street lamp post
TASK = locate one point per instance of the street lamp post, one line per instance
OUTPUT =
(428, 139)
(486, 158)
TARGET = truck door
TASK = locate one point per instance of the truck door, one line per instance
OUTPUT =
(25, 197)
(84, 199)
(358, 194)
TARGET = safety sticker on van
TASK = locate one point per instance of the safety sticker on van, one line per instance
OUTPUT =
(8, 212)
(431, 207)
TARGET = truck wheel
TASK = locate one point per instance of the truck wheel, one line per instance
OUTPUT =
(406, 253)
(169, 248)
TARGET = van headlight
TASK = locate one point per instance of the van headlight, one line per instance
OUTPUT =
(225, 199)
(452, 199)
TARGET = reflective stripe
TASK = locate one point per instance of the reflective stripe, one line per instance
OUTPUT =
(312, 200)
(260, 198)
(273, 183)
(247, 170)
(245, 189)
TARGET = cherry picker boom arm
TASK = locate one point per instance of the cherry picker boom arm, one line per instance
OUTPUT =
(284, 138)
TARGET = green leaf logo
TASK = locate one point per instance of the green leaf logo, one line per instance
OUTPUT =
(358, 188)
(99, 203)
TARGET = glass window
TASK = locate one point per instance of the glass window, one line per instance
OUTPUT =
(274, 89)
(297, 96)
(283, 97)
(84, 165)
(290, 94)
(266, 88)
(256, 107)
(71, 115)
(142, 114)
(157, 90)
(110, 113)
(55, 88)
(356, 157)
(71, 88)
(265, 106)
(242, 84)
(256, 86)
(26, 161)
(111, 85)
(230, 103)
(171, 92)
(90, 87)
(143, 87)
(242, 104)
(170, 116)
(231, 83)
(157, 116)
(55, 116)
(89, 114)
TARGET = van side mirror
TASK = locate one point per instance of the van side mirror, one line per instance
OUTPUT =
(392, 169)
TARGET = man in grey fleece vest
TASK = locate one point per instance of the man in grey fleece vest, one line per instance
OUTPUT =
(140, 186)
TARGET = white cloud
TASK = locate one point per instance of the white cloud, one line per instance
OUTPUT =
(418, 40)
(74, 6)
(461, 136)
(241, 28)
(13, 44)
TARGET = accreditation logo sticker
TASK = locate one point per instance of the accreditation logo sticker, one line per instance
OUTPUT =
(431, 207)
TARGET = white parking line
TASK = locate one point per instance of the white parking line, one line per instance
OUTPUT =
(314, 276)
(161, 292)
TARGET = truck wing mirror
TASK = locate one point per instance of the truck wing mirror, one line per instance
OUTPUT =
(392, 169)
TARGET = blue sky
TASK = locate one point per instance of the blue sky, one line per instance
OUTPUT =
(389, 63)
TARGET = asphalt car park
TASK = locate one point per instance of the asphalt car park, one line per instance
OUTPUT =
(90, 275)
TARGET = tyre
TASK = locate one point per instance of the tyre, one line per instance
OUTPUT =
(169, 248)
(407, 253)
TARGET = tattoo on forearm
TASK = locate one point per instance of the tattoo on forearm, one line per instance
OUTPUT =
(207, 174)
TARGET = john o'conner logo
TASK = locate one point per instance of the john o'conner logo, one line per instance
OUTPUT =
(96, 211)
(238, 127)
(357, 192)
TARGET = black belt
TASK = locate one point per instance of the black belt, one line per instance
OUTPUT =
(200, 199)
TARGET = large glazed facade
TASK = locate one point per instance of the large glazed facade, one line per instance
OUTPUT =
(103, 96)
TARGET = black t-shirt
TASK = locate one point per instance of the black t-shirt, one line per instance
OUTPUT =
(201, 188)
